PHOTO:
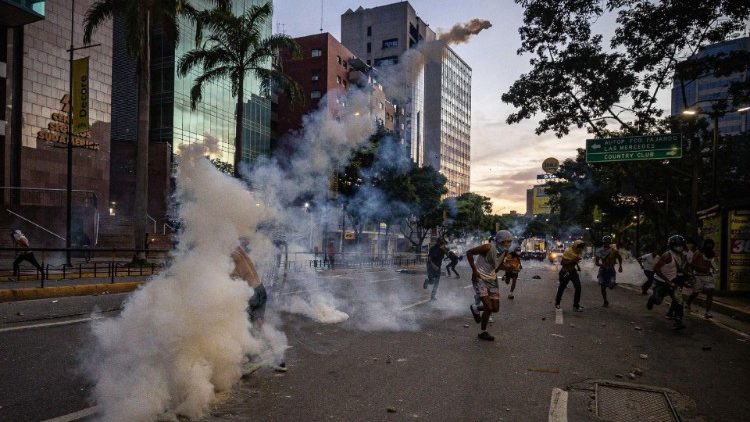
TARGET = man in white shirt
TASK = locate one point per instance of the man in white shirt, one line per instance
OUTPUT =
(647, 263)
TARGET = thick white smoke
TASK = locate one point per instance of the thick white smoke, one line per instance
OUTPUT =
(184, 335)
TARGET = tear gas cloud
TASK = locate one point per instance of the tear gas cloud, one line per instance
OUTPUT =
(460, 33)
(184, 335)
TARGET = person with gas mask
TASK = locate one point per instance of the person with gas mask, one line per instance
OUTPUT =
(670, 277)
(490, 258)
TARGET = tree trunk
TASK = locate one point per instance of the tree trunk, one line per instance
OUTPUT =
(238, 135)
(141, 161)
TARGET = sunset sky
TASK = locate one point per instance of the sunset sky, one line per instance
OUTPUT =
(505, 159)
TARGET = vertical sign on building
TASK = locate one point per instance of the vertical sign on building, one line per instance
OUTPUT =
(738, 270)
(80, 95)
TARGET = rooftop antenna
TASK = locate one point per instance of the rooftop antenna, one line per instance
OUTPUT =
(281, 28)
(321, 16)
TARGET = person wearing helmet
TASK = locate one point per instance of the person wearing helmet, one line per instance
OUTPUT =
(669, 272)
(513, 262)
(435, 257)
(569, 273)
(605, 258)
(490, 258)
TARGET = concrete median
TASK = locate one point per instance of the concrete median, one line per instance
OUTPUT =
(10, 295)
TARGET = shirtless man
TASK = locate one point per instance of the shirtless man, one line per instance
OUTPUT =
(245, 269)
(490, 258)
(605, 258)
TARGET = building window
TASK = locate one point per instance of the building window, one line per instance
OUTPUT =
(344, 64)
(338, 59)
(369, 47)
(390, 43)
(316, 52)
(314, 95)
(338, 79)
(381, 105)
(386, 61)
(369, 31)
(315, 75)
(369, 63)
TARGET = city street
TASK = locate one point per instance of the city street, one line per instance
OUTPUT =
(400, 356)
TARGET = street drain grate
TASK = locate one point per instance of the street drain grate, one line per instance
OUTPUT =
(621, 403)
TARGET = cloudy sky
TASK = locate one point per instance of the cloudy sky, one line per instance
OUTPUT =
(504, 159)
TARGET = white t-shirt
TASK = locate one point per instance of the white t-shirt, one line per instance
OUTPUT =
(648, 261)
(487, 264)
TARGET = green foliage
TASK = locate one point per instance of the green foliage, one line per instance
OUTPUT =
(236, 46)
(469, 213)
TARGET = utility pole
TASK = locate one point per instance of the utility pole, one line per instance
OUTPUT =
(69, 188)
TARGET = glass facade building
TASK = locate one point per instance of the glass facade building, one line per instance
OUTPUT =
(706, 90)
(455, 122)
(173, 121)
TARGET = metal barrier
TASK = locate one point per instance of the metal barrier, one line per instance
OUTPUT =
(91, 263)
(353, 260)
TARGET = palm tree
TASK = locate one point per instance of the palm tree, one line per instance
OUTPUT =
(235, 47)
(137, 16)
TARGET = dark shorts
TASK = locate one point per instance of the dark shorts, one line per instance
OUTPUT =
(510, 274)
(607, 276)
(257, 304)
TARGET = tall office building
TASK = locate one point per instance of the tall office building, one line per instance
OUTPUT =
(34, 93)
(448, 117)
(706, 90)
(173, 123)
(380, 36)
(437, 124)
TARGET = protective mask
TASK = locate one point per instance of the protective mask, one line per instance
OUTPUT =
(678, 249)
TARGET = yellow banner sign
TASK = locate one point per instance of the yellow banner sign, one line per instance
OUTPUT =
(80, 95)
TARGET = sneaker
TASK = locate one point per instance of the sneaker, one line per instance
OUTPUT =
(484, 335)
(707, 315)
(606, 304)
(458, 276)
(557, 306)
(650, 303)
(510, 296)
(475, 314)
(507, 280)
(249, 368)
(280, 367)
(578, 308)
(492, 320)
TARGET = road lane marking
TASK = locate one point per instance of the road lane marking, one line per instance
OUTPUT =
(48, 324)
(559, 316)
(468, 286)
(558, 406)
(415, 304)
(75, 415)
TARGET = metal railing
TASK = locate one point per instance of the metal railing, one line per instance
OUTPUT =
(90, 263)
(355, 260)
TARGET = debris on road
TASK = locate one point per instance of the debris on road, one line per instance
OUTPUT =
(545, 370)
(707, 348)
(644, 356)
(401, 360)
(55, 301)
(544, 318)
(388, 359)
(631, 376)
(637, 328)
(537, 277)
(638, 371)
(466, 325)
(572, 326)
(558, 335)
(19, 313)
(391, 409)
(604, 325)
(618, 376)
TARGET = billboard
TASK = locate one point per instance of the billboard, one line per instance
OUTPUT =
(540, 201)
(738, 268)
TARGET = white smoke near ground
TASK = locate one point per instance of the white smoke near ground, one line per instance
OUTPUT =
(183, 335)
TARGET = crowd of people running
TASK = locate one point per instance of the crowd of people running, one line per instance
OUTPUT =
(668, 271)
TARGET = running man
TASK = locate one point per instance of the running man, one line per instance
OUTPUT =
(703, 271)
(569, 273)
(605, 258)
(452, 265)
(647, 263)
(21, 242)
(435, 258)
(669, 279)
(513, 262)
(490, 258)
(245, 269)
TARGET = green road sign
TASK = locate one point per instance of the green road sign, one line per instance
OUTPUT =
(634, 148)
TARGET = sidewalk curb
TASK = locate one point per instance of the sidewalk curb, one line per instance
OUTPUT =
(11, 295)
(718, 306)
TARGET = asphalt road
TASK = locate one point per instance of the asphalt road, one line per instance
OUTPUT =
(400, 357)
